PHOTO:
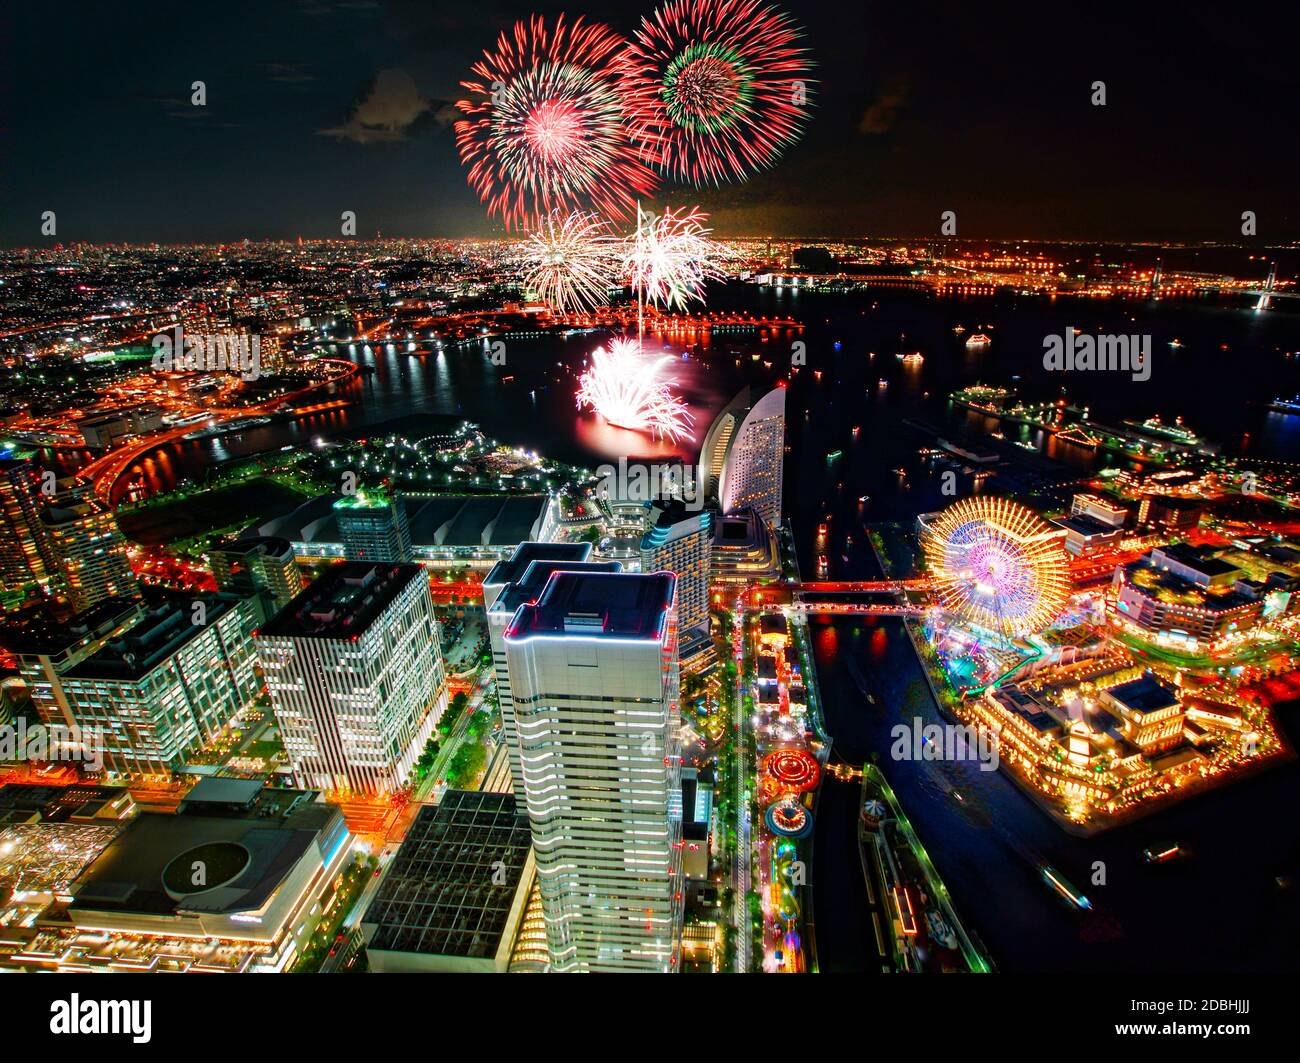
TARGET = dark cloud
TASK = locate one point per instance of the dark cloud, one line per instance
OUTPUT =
(290, 72)
(881, 116)
(389, 110)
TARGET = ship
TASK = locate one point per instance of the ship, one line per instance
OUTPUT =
(1164, 853)
(1057, 881)
(229, 426)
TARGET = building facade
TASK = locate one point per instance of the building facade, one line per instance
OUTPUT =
(681, 542)
(752, 476)
(165, 686)
(355, 673)
(374, 528)
(509, 585)
(88, 547)
(264, 564)
(594, 681)
(25, 557)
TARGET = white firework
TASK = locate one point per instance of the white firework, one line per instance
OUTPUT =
(627, 390)
(571, 261)
(670, 257)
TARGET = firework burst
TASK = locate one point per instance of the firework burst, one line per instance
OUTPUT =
(572, 259)
(670, 257)
(544, 128)
(628, 391)
(717, 89)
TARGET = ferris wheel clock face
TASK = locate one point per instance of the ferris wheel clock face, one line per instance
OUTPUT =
(998, 565)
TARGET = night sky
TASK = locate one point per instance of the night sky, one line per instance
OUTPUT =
(315, 107)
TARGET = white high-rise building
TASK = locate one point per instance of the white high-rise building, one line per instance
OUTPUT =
(354, 669)
(593, 677)
(755, 462)
(680, 541)
(509, 585)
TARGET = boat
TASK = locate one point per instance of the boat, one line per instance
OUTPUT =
(978, 339)
(1164, 853)
(1291, 405)
(226, 427)
(911, 358)
(1057, 881)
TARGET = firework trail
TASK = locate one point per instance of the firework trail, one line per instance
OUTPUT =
(544, 127)
(717, 89)
(626, 389)
(670, 257)
(571, 261)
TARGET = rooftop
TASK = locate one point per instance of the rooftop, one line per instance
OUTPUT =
(343, 602)
(453, 882)
(537, 575)
(154, 638)
(1082, 524)
(443, 521)
(598, 605)
(128, 875)
(1173, 589)
(512, 570)
(273, 546)
(1199, 559)
(1144, 695)
(670, 516)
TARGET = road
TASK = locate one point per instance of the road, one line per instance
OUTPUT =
(741, 874)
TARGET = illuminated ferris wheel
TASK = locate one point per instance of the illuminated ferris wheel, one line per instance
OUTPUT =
(998, 565)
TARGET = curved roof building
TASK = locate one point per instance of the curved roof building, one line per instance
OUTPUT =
(751, 471)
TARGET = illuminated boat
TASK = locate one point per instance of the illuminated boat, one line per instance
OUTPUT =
(1164, 853)
(978, 339)
(1057, 881)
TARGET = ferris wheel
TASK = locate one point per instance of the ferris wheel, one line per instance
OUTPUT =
(998, 565)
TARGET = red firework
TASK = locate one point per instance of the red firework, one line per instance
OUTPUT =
(545, 126)
(717, 89)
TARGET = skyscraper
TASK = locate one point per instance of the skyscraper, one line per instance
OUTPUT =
(717, 444)
(87, 546)
(25, 557)
(374, 528)
(755, 460)
(166, 685)
(593, 675)
(354, 669)
(263, 564)
(680, 541)
(509, 585)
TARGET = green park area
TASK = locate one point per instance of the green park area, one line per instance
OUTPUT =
(200, 513)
